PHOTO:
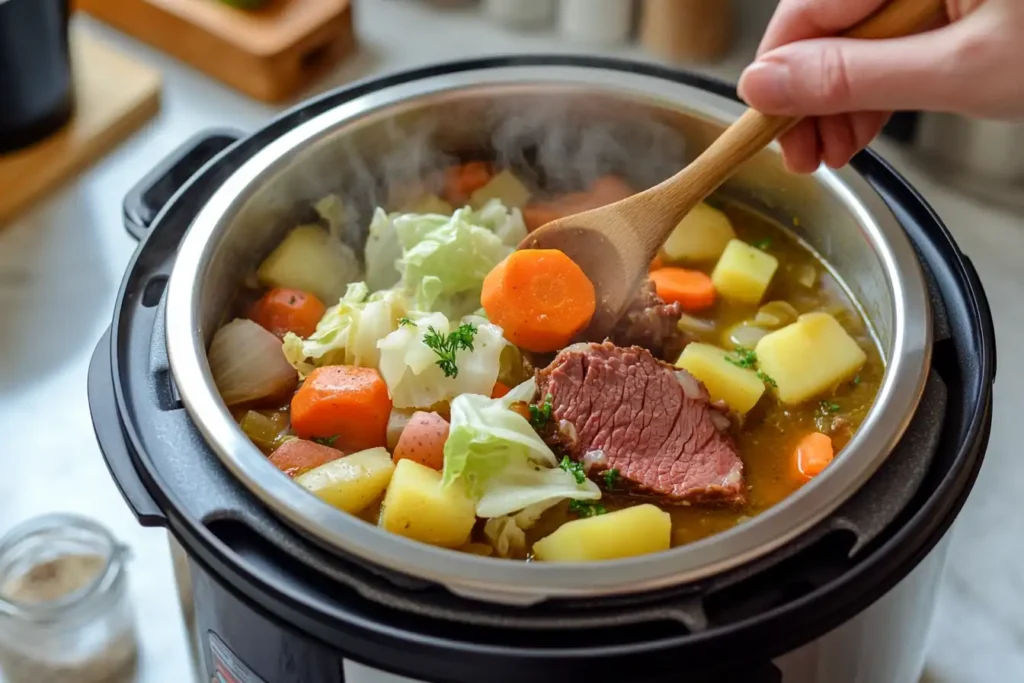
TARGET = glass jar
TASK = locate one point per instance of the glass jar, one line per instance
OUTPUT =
(65, 614)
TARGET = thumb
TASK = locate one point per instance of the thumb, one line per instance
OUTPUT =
(838, 75)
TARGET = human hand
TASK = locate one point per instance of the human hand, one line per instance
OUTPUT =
(972, 65)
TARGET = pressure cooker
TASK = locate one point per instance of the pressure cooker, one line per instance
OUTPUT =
(278, 588)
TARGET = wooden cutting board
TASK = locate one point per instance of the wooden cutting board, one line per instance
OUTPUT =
(270, 54)
(114, 95)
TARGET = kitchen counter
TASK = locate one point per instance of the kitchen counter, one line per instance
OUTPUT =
(61, 264)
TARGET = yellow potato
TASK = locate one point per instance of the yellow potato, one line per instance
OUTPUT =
(417, 507)
(743, 273)
(352, 482)
(740, 388)
(311, 260)
(624, 533)
(809, 357)
(429, 203)
(700, 237)
(505, 187)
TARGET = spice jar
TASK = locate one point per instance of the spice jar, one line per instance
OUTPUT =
(65, 614)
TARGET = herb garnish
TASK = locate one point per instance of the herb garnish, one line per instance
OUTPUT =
(742, 357)
(325, 440)
(446, 347)
(611, 478)
(856, 380)
(828, 407)
(585, 509)
(763, 244)
(573, 468)
(764, 377)
(405, 321)
(539, 415)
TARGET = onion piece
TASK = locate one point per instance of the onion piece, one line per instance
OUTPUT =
(805, 275)
(690, 385)
(776, 314)
(688, 323)
(743, 334)
(594, 458)
(248, 364)
(567, 434)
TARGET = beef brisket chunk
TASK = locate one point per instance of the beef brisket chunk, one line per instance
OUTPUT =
(651, 323)
(653, 424)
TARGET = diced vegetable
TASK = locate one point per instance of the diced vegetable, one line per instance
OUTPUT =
(429, 203)
(813, 454)
(603, 191)
(776, 314)
(499, 390)
(540, 298)
(629, 532)
(743, 273)
(247, 363)
(266, 431)
(463, 180)
(692, 289)
(350, 483)
(396, 425)
(288, 310)
(298, 456)
(743, 334)
(700, 237)
(505, 187)
(424, 364)
(346, 402)
(657, 262)
(417, 506)
(423, 440)
(739, 387)
(809, 357)
(513, 369)
(507, 535)
(312, 260)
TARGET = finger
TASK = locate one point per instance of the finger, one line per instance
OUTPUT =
(802, 19)
(801, 149)
(838, 141)
(836, 75)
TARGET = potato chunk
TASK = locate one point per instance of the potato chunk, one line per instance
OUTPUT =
(700, 237)
(311, 260)
(624, 533)
(740, 388)
(417, 507)
(744, 272)
(809, 357)
(352, 482)
(505, 187)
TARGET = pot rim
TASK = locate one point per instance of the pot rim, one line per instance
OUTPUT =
(507, 581)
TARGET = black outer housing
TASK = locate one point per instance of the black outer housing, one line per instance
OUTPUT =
(284, 612)
(36, 92)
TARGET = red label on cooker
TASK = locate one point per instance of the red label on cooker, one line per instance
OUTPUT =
(227, 668)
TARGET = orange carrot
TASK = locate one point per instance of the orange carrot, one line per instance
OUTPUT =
(657, 263)
(540, 298)
(423, 440)
(345, 403)
(465, 179)
(691, 288)
(536, 215)
(608, 190)
(499, 390)
(813, 454)
(297, 456)
(603, 191)
(288, 310)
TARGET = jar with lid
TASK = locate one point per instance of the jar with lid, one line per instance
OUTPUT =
(65, 614)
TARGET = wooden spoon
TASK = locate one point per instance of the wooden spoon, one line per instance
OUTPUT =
(614, 245)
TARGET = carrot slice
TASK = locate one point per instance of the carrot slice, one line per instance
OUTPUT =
(465, 179)
(345, 403)
(288, 310)
(297, 456)
(499, 390)
(423, 440)
(603, 191)
(813, 454)
(657, 263)
(540, 298)
(691, 288)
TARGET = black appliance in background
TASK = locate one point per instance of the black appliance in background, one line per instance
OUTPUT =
(36, 88)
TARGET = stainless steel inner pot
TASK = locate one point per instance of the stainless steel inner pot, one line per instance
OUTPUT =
(575, 123)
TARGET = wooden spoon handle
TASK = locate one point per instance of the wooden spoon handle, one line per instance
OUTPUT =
(754, 131)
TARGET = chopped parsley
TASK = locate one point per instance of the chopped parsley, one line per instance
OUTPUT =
(742, 357)
(763, 244)
(828, 407)
(405, 321)
(573, 468)
(764, 377)
(325, 440)
(585, 509)
(447, 346)
(611, 478)
(539, 415)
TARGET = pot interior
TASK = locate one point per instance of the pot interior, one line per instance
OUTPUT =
(562, 127)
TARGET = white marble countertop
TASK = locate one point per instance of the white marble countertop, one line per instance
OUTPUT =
(61, 264)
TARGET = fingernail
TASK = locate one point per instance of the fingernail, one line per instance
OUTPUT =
(766, 86)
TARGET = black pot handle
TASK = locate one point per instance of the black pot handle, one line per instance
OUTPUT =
(107, 426)
(144, 201)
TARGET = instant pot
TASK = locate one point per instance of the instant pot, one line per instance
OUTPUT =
(837, 584)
